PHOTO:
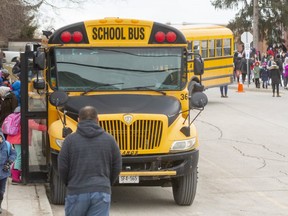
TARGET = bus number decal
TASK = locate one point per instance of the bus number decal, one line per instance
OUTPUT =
(118, 33)
(183, 96)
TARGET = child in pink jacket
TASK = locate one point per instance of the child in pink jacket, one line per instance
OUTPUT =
(16, 141)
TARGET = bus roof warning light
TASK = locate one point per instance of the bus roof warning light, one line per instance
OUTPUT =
(66, 37)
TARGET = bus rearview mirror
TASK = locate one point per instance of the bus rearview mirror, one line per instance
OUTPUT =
(39, 84)
(198, 66)
(39, 60)
(58, 98)
(198, 100)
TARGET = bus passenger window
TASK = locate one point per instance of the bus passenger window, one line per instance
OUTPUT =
(219, 47)
(196, 47)
(227, 47)
(211, 48)
(204, 47)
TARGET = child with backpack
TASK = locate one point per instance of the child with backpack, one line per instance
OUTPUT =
(7, 156)
(264, 74)
(12, 127)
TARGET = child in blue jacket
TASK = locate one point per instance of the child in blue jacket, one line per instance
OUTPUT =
(7, 156)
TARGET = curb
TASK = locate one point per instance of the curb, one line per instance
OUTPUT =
(26, 200)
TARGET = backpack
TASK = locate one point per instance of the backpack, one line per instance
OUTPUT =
(286, 71)
(11, 124)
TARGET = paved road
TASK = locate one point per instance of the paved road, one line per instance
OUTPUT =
(243, 167)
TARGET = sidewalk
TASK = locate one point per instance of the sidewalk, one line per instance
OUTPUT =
(25, 200)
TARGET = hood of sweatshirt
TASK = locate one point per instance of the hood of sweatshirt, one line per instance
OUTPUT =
(89, 128)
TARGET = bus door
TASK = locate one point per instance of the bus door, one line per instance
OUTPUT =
(33, 120)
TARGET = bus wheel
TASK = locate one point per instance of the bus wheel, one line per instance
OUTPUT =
(184, 188)
(57, 188)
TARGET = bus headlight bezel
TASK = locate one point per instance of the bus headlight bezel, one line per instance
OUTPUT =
(183, 145)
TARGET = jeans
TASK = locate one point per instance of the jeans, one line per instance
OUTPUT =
(17, 162)
(2, 187)
(88, 204)
(224, 90)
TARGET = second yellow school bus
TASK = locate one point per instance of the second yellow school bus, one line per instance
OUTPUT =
(216, 46)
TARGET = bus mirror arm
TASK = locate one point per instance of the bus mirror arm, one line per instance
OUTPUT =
(186, 129)
(60, 98)
(65, 130)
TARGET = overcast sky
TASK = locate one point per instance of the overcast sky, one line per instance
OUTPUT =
(173, 11)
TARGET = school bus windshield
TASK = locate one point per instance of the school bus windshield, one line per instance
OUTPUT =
(81, 69)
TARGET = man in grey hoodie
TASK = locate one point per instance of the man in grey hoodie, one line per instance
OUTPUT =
(89, 163)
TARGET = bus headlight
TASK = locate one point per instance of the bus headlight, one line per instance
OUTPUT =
(59, 142)
(183, 145)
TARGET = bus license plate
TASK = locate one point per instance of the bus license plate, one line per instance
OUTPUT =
(128, 179)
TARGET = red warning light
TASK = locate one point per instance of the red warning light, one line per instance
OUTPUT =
(160, 37)
(77, 36)
(66, 37)
(171, 37)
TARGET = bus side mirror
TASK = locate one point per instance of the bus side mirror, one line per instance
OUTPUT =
(58, 98)
(198, 65)
(39, 84)
(197, 99)
(39, 60)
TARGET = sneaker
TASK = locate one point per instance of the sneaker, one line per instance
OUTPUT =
(15, 182)
(222, 96)
(226, 96)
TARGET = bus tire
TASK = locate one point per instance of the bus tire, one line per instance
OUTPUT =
(184, 188)
(57, 188)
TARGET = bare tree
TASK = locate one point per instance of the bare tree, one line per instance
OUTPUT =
(15, 17)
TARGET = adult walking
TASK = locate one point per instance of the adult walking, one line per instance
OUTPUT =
(89, 163)
(275, 75)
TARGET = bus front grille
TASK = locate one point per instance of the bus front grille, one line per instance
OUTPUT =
(140, 135)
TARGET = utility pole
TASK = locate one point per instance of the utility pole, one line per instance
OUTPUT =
(255, 24)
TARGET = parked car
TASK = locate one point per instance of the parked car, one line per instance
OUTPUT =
(11, 56)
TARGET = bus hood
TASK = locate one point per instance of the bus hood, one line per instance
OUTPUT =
(125, 103)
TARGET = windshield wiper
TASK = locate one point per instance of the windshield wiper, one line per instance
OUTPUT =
(99, 85)
(145, 88)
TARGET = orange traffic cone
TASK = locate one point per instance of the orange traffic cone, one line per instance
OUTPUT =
(240, 87)
(240, 84)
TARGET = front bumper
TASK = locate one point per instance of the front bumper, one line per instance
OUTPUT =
(159, 169)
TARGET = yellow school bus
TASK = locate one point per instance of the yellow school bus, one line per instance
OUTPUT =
(216, 45)
(135, 73)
